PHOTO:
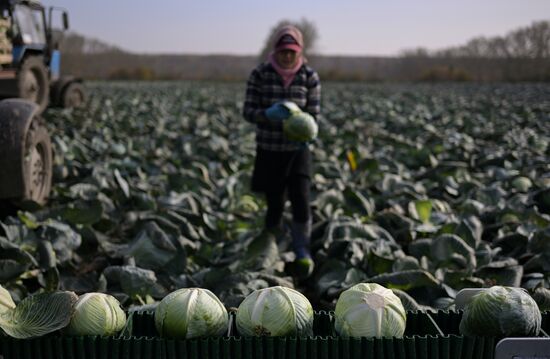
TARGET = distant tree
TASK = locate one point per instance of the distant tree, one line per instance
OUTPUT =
(531, 42)
(419, 52)
(498, 48)
(309, 32)
(71, 42)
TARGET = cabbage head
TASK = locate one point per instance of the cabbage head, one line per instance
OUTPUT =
(191, 313)
(275, 311)
(96, 314)
(292, 107)
(369, 310)
(500, 312)
(300, 127)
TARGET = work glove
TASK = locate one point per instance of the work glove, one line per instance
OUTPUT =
(277, 112)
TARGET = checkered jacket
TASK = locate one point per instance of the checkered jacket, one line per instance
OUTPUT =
(264, 88)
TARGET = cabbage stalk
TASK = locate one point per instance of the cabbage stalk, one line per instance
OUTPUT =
(369, 310)
(97, 314)
(275, 311)
(500, 312)
(191, 313)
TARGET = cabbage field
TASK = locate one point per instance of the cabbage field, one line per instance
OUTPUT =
(424, 189)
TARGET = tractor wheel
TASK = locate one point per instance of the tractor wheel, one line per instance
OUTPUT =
(37, 163)
(73, 96)
(32, 81)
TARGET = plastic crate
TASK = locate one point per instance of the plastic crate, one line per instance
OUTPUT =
(427, 335)
(143, 324)
(66, 347)
(420, 342)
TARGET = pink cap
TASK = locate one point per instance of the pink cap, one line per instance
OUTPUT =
(289, 38)
(292, 47)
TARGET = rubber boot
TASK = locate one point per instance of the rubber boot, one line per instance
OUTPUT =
(301, 233)
(301, 237)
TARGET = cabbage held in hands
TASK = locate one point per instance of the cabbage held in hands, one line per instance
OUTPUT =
(191, 313)
(300, 127)
(275, 311)
(291, 107)
(97, 314)
(369, 310)
(501, 312)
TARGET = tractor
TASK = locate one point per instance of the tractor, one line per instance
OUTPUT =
(30, 81)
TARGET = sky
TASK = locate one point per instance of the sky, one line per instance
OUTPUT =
(345, 27)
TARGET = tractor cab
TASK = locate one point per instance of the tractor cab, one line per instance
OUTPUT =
(28, 29)
(30, 58)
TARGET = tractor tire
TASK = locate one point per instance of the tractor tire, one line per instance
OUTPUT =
(32, 82)
(73, 96)
(37, 163)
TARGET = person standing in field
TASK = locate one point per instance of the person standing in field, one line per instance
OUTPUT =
(283, 167)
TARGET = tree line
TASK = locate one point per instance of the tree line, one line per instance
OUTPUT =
(521, 55)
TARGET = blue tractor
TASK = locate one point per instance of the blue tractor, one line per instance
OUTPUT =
(30, 81)
(30, 58)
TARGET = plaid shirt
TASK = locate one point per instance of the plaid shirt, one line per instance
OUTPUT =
(264, 88)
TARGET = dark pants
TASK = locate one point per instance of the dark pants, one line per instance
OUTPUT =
(297, 189)
(282, 174)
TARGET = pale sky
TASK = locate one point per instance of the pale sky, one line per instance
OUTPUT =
(346, 27)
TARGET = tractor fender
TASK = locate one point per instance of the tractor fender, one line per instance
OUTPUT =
(16, 116)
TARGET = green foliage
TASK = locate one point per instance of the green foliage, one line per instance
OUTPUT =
(412, 188)
(38, 315)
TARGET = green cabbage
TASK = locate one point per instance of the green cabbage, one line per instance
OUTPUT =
(275, 311)
(522, 184)
(300, 127)
(500, 312)
(292, 107)
(96, 314)
(191, 313)
(369, 310)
